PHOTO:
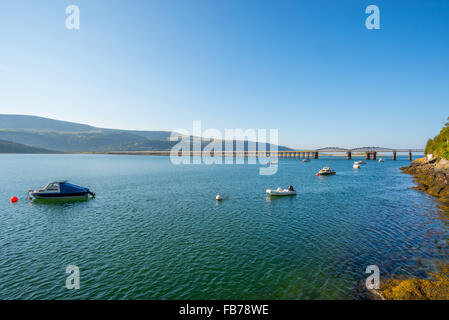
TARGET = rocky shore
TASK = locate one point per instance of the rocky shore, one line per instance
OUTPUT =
(432, 176)
(436, 287)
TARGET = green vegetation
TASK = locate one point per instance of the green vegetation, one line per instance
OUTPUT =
(439, 146)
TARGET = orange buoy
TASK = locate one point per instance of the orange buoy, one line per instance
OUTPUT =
(14, 199)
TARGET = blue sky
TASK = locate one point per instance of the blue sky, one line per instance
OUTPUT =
(308, 68)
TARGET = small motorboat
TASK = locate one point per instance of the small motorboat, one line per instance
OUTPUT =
(219, 197)
(326, 172)
(360, 162)
(381, 160)
(282, 192)
(356, 165)
(306, 160)
(61, 190)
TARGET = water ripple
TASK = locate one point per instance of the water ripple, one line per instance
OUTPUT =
(155, 231)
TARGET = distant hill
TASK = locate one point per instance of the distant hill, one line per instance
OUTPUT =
(17, 122)
(67, 136)
(161, 145)
(22, 122)
(11, 147)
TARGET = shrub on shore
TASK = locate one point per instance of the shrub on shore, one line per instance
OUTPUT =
(439, 146)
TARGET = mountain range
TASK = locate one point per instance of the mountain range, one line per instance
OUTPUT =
(32, 134)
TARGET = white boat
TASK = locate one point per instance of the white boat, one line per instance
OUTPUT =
(381, 160)
(218, 197)
(326, 172)
(356, 165)
(281, 192)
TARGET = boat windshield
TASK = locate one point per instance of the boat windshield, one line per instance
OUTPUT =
(52, 187)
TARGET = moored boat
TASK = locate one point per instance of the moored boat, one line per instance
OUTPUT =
(61, 190)
(306, 160)
(326, 172)
(356, 165)
(282, 192)
(360, 162)
(381, 160)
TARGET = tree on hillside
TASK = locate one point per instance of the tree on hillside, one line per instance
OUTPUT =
(439, 145)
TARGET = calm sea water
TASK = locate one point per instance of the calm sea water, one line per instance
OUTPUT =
(155, 230)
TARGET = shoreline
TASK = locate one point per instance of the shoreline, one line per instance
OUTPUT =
(432, 177)
(167, 153)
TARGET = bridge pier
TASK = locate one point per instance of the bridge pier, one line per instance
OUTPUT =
(315, 155)
(368, 156)
(348, 155)
(374, 155)
(394, 155)
(410, 156)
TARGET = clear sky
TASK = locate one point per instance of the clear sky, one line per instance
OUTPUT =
(308, 68)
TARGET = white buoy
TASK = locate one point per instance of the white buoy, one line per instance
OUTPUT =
(218, 197)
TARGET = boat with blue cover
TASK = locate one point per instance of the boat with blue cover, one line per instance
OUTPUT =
(61, 190)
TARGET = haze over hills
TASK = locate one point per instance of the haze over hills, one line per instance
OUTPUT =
(49, 134)
(71, 137)
(12, 147)
(23, 122)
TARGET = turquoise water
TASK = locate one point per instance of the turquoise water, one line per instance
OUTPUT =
(155, 231)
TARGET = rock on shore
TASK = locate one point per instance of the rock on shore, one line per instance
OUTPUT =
(434, 288)
(432, 176)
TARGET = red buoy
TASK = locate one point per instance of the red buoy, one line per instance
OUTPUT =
(14, 199)
(317, 174)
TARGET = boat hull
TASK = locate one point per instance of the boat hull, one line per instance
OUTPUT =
(327, 173)
(54, 197)
(274, 193)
